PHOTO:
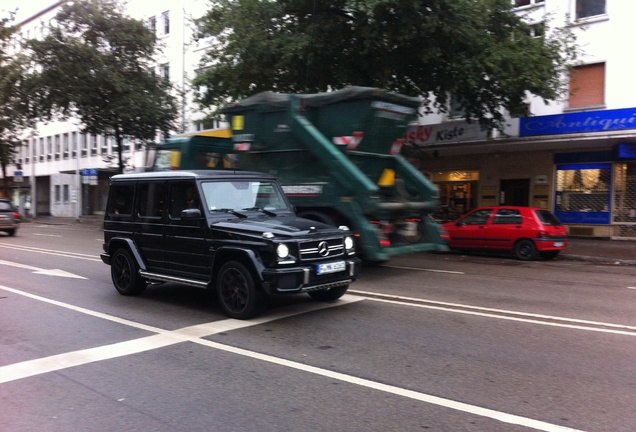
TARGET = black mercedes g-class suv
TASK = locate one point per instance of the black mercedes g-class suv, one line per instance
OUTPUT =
(233, 231)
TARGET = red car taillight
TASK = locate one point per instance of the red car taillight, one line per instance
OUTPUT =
(16, 215)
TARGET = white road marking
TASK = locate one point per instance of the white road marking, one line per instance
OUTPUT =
(634, 288)
(195, 333)
(425, 269)
(47, 235)
(482, 311)
(37, 270)
(75, 255)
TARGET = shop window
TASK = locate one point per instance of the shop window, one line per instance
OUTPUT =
(587, 85)
(583, 193)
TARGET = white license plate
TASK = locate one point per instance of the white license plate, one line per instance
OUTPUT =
(558, 244)
(330, 267)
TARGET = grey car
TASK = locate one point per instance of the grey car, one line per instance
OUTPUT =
(9, 217)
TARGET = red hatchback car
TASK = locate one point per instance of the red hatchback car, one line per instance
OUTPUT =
(527, 231)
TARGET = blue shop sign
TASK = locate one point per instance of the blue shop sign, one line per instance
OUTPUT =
(580, 122)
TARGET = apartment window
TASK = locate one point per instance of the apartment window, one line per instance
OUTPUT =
(165, 17)
(58, 147)
(84, 139)
(27, 158)
(537, 30)
(456, 108)
(152, 24)
(587, 85)
(589, 8)
(138, 145)
(65, 146)
(104, 145)
(42, 152)
(49, 148)
(74, 144)
(164, 71)
(520, 3)
(93, 145)
(58, 193)
(66, 193)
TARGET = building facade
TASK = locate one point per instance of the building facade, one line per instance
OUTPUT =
(575, 157)
(59, 170)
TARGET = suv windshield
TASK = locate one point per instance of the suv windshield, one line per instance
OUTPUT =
(243, 195)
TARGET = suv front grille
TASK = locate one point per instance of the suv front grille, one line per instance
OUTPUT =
(320, 249)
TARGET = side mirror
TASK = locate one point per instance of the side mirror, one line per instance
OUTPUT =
(191, 214)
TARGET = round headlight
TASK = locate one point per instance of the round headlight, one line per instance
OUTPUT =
(282, 250)
(348, 242)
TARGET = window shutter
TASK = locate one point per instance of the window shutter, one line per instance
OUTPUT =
(587, 85)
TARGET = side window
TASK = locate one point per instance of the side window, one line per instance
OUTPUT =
(183, 195)
(479, 217)
(121, 200)
(151, 200)
(508, 216)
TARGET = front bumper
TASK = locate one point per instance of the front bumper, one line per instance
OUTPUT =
(304, 278)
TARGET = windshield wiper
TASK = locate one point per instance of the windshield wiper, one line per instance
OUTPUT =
(267, 212)
(231, 211)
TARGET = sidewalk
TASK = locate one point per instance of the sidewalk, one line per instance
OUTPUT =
(618, 252)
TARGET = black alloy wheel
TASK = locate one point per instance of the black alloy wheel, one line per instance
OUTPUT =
(237, 292)
(125, 273)
(525, 250)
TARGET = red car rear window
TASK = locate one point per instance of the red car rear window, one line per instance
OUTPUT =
(548, 218)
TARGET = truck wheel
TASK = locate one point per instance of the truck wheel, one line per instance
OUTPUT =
(329, 294)
(237, 292)
(125, 273)
(525, 250)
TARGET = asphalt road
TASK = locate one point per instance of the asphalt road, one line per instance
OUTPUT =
(426, 342)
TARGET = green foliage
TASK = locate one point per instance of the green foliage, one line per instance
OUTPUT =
(96, 64)
(12, 110)
(477, 50)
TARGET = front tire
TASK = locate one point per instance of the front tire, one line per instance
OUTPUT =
(329, 294)
(239, 296)
(525, 250)
(124, 272)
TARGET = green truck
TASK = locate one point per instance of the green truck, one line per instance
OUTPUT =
(337, 157)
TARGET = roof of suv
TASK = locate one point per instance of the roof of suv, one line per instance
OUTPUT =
(194, 174)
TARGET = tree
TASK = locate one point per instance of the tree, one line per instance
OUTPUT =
(479, 51)
(12, 110)
(95, 64)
